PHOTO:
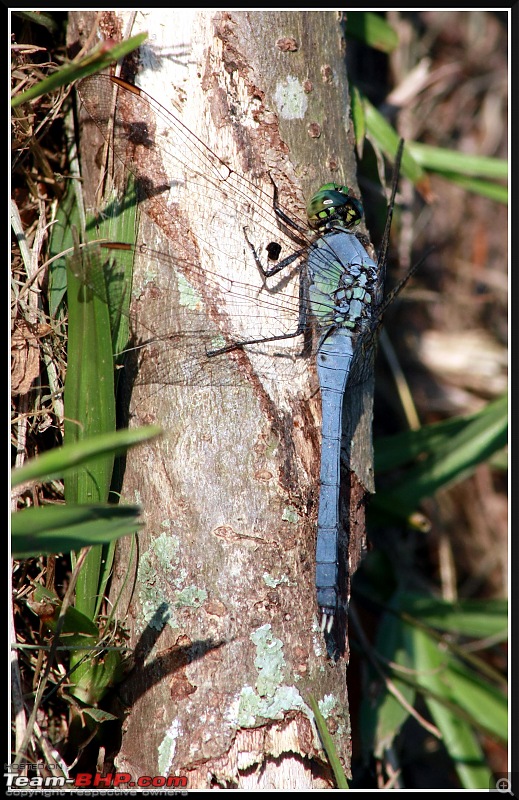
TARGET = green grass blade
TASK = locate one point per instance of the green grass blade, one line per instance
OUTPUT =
(387, 139)
(486, 704)
(99, 295)
(494, 191)
(89, 408)
(480, 619)
(94, 62)
(39, 18)
(457, 734)
(49, 530)
(67, 219)
(451, 461)
(56, 463)
(383, 714)
(392, 452)
(465, 169)
(89, 385)
(76, 627)
(440, 159)
(485, 621)
(463, 687)
(118, 223)
(372, 30)
(328, 745)
(358, 117)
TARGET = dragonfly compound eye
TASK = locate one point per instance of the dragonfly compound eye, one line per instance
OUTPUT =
(333, 206)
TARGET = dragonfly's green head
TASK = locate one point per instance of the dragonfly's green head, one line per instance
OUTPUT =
(333, 204)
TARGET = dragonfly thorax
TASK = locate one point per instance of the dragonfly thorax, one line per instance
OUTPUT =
(353, 296)
(333, 207)
(342, 281)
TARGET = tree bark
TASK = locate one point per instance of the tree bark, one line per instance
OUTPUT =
(220, 605)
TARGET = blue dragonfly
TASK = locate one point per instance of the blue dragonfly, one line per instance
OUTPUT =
(331, 307)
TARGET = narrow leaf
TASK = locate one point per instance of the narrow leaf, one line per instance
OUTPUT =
(56, 463)
(94, 62)
(458, 735)
(329, 746)
(372, 30)
(453, 461)
(49, 530)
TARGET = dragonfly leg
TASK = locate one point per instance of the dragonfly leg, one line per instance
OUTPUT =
(363, 239)
(240, 345)
(268, 273)
(302, 327)
(290, 227)
(285, 218)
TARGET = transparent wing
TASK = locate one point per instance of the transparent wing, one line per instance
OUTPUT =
(174, 170)
(173, 331)
(213, 276)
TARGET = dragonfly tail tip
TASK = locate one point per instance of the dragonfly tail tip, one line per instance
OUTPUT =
(327, 618)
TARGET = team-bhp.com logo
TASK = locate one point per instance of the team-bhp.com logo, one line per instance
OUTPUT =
(87, 780)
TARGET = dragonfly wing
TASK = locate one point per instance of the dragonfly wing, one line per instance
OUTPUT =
(210, 214)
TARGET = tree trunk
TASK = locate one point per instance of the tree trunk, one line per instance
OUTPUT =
(220, 604)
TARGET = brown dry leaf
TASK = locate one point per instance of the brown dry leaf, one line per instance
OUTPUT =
(25, 351)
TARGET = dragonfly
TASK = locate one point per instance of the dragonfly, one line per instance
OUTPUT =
(330, 306)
